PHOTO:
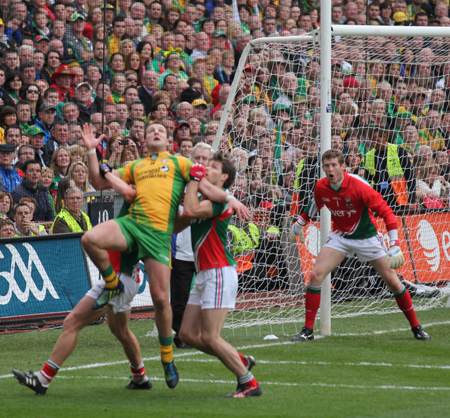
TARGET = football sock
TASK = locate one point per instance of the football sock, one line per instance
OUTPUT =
(404, 302)
(47, 373)
(165, 346)
(312, 304)
(244, 362)
(248, 379)
(110, 277)
(138, 372)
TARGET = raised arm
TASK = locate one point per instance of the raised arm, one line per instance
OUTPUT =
(108, 179)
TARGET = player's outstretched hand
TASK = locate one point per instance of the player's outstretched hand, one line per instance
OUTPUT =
(241, 210)
(89, 139)
(297, 231)
(197, 172)
(395, 257)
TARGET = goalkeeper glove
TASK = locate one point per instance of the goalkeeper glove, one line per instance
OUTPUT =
(104, 168)
(197, 172)
(394, 256)
(297, 230)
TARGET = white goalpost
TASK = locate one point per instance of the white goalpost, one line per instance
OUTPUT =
(346, 78)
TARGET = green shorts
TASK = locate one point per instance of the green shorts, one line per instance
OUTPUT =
(147, 241)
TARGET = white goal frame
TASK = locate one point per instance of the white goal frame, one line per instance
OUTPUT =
(324, 36)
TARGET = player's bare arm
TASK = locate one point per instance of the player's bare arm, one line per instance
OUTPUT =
(193, 208)
(220, 196)
(181, 223)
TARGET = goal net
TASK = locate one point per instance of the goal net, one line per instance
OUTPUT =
(391, 119)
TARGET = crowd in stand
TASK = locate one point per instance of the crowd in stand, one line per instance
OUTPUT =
(124, 65)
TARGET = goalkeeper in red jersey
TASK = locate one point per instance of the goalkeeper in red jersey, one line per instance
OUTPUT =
(351, 202)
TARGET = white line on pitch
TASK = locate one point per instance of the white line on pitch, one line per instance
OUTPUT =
(264, 383)
(324, 363)
(275, 343)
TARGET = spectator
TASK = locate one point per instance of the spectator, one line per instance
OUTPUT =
(390, 171)
(31, 187)
(83, 96)
(6, 205)
(23, 225)
(71, 218)
(431, 134)
(118, 30)
(78, 47)
(26, 152)
(13, 85)
(79, 173)
(61, 80)
(431, 186)
(59, 138)
(148, 89)
(60, 164)
(6, 228)
(9, 176)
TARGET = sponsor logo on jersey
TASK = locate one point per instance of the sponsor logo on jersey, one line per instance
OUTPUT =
(154, 156)
(341, 213)
(348, 202)
(165, 168)
(164, 160)
(325, 199)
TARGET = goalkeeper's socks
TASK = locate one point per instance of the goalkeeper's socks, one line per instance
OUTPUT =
(47, 373)
(138, 373)
(404, 302)
(312, 304)
(110, 277)
(165, 346)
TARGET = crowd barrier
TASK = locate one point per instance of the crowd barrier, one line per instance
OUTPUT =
(424, 240)
(46, 277)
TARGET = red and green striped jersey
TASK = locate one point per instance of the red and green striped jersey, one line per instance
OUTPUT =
(351, 207)
(209, 239)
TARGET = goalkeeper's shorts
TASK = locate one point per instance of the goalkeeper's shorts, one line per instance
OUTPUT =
(365, 249)
(122, 301)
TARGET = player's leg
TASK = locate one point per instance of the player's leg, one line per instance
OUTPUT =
(402, 296)
(96, 242)
(326, 261)
(191, 328)
(180, 286)
(80, 316)
(159, 279)
(212, 323)
(119, 325)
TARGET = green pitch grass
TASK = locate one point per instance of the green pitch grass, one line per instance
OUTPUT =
(370, 367)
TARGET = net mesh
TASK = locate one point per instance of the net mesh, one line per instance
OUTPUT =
(390, 118)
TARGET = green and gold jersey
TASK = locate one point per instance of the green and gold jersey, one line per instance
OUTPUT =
(160, 180)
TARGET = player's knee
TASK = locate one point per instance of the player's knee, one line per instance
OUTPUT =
(185, 336)
(71, 323)
(316, 278)
(87, 239)
(208, 340)
(160, 301)
(120, 333)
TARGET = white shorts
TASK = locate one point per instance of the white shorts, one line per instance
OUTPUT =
(121, 302)
(366, 249)
(215, 288)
